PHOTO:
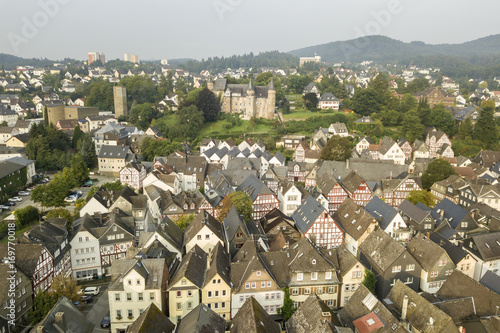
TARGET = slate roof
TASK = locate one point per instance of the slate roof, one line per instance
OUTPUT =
(252, 318)
(415, 213)
(253, 187)
(426, 252)
(232, 223)
(152, 320)
(488, 245)
(168, 230)
(455, 253)
(308, 317)
(245, 262)
(420, 310)
(449, 210)
(191, 267)
(307, 214)
(201, 319)
(28, 255)
(367, 169)
(381, 250)
(363, 302)
(327, 97)
(219, 263)
(491, 280)
(353, 218)
(122, 152)
(75, 319)
(459, 285)
(201, 220)
(8, 168)
(381, 211)
(352, 181)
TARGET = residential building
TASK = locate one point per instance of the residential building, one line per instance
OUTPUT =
(396, 190)
(291, 142)
(279, 230)
(85, 249)
(449, 188)
(140, 283)
(333, 191)
(390, 261)
(8, 116)
(168, 234)
(315, 223)
(253, 318)
(305, 271)
(290, 197)
(64, 317)
(112, 159)
(185, 286)
(152, 320)
(420, 150)
(235, 230)
(16, 293)
(37, 264)
(435, 262)
(364, 144)
(356, 222)
(328, 101)
(251, 277)
(216, 291)
(406, 148)
(264, 200)
(200, 320)
(204, 231)
(485, 248)
(435, 96)
(356, 188)
(435, 140)
(389, 219)
(418, 314)
(462, 259)
(415, 217)
(133, 174)
(312, 316)
(191, 171)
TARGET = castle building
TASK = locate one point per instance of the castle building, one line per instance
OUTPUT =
(246, 99)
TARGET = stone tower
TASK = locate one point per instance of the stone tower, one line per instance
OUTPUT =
(120, 97)
(270, 102)
(251, 110)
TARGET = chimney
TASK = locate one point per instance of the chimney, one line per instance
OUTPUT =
(39, 329)
(388, 304)
(390, 177)
(404, 309)
(60, 322)
(326, 316)
(163, 227)
(347, 164)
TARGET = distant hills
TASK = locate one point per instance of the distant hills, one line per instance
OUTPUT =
(385, 50)
(10, 61)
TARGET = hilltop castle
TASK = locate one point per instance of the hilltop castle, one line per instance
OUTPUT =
(246, 99)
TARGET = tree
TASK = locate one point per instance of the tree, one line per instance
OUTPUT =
(27, 215)
(189, 122)
(437, 170)
(86, 148)
(287, 309)
(465, 130)
(79, 169)
(151, 148)
(485, 130)
(411, 128)
(424, 111)
(422, 196)
(208, 104)
(310, 101)
(442, 120)
(42, 304)
(366, 101)
(141, 115)
(370, 281)
(337, 149)
(241, 201)
(183, 221)
(65, 286)
(112, 186)
(77, 134)
(408, 102)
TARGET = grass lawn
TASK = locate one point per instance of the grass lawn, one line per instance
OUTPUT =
(304, 114)
(19, 232)
(218, 129)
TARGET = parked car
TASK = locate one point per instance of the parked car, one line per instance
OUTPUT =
(79, 304)
(23, 193)
(87, 298)
(94, 291)
(31, 188)
(71, 198)
(105, 321)
(16, 199)
(10, 203)
(4, 207)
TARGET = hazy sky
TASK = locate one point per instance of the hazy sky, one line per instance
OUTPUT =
(156, 29)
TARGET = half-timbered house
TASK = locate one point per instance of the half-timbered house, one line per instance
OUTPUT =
(264, 200)
(356, 188)
(333, 191)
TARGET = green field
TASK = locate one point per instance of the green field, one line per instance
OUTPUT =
(219, 129)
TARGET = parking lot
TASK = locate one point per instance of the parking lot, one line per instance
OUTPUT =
(96, 310)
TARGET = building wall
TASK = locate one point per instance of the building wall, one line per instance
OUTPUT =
(221, 304)
(205, 239)
(55, 113)
(85, 256)
(111, 166)
(182, 299)
(351, 281)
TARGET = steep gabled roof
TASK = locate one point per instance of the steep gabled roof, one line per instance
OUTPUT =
(192, 268)
(253, 187)
(309, 317)
(381, 211)
(201, 220)
(353, 218)
(307, 214)
(381, 250)
(232, 223)
(426, 252)
(201, 319)
(152, 320)
(252, 318)
(74, 319)
(352, 181)
(219, 263)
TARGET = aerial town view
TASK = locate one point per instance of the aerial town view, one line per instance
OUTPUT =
(232, 166)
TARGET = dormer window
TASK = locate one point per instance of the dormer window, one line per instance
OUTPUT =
(185, 206)
(192, 205)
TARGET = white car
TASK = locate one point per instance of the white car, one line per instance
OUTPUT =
(23, 193)
(71, 198)
(16, 199)
(94, 291)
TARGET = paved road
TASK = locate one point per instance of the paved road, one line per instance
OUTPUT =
(71, 206)
(97, 309)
